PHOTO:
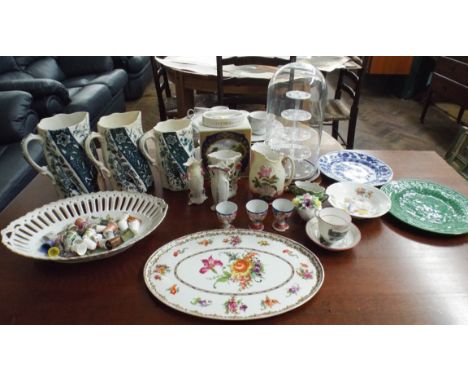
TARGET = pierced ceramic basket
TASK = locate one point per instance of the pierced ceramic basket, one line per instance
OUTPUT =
(24, 235)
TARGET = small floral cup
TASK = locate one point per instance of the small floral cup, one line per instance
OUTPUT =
(257, 210)
(227, 212)
(282, 211)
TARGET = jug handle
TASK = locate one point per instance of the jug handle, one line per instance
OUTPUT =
(43, 170)
(293, 170)
(144, 149)
(90, 154)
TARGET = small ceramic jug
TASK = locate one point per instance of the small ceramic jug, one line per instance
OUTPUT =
(232, 160)
(174, 146)
(219, 183)
(195, 181)
(124, 165)
(62, 137)
(267, 176)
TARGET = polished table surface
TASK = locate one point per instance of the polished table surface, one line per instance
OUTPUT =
(396, 275)
(191, 74)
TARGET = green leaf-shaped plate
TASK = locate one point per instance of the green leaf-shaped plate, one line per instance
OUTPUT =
(428, 206)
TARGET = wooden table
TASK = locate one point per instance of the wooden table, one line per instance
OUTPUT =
(205, 80)
(396, 275)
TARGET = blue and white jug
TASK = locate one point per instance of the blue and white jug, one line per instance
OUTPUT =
(174, 146)
(124, 166)
(62, 137)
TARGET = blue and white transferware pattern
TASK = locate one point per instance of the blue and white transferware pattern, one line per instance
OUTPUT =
(174, 147)
(353, 166)
(127, 168)
(62, 137)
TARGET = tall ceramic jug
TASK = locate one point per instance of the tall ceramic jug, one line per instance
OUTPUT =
(174, 146)
(124, 165)
(267, 176)
(62, 137)
(232, 160)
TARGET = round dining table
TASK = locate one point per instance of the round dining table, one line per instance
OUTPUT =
(190, 74)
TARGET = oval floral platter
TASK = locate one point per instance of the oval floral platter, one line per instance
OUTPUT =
(233, 274)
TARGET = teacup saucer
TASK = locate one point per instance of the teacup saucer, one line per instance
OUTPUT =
(352, 238)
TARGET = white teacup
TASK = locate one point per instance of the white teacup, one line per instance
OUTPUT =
(258, 121)
(333, 224)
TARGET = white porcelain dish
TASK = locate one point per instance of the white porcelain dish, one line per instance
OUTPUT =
(359, 200)
(222, 118)
(24, 235)
(233, 274)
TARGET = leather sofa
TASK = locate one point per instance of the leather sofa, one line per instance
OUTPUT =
(139, 73)
(66, 84)
(32, 88)
(17, 119)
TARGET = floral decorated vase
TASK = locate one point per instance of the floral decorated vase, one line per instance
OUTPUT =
(232, 160)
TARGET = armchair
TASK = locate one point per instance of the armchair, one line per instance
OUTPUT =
(66, 84)
(17, 119)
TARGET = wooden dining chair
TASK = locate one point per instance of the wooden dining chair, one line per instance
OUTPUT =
(346, 109)
(449, 84)
(457, 155)
(242, 84)
(168, 104)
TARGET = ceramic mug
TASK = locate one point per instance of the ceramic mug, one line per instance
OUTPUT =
(124, 165)
(62, 137)
(174, 146)
(333, 224)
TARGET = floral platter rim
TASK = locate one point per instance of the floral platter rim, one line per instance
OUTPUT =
(313, 258)
(339, 153)
(8, 232)
(400, 214)
(383, 210)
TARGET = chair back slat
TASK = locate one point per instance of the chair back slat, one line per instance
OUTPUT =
(161, 83)
(350, 82)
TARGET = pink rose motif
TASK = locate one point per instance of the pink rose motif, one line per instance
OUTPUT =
(232, 305)
(210, 264)
(265, 172)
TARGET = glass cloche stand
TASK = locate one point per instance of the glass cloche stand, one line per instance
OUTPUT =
(296, 100)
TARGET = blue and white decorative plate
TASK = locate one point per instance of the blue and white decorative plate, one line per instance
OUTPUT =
(352, 166)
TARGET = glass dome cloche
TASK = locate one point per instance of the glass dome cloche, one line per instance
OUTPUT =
(296, 99)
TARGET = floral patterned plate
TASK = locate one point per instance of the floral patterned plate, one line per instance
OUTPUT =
(353, 166)
(233, 274)
(428, 206)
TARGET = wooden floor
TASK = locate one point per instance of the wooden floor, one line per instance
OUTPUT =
(385, 121)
